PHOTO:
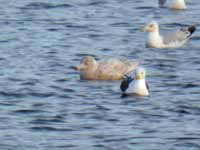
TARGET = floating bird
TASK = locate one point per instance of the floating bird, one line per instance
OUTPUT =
(173, 4)
(111, 69)
(136, 85)
(170, 40)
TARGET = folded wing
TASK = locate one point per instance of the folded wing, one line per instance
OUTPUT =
(125, 83)
(179, 36)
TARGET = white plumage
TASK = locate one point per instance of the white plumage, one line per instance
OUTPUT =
(170, 40)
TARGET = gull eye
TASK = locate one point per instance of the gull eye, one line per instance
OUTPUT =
(151, 25)
(87, 62)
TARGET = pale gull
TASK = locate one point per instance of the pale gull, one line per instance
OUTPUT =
(170, 40)
(111, 69)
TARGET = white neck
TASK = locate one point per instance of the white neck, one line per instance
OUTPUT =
(154, 39)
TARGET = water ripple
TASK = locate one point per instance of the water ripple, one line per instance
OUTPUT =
(42, 5)
(45, 105)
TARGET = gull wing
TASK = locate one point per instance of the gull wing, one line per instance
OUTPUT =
(179, 36)
(125, 83)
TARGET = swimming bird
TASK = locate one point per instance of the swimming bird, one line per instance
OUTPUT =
(170, 40)
(137, 85)
(173, 4)
(111, 69)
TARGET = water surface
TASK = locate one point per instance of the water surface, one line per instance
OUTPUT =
(44, 104)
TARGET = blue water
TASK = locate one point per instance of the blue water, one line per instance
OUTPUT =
(44, 104)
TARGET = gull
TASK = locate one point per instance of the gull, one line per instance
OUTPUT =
(173, 4)
(136, 85)
(111, 69)
(170, 40)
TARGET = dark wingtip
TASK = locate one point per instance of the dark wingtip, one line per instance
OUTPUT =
(192, 29)
(125, 83)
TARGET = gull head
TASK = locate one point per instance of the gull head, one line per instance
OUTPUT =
(150, 27)
(87, 63)
(140, 73)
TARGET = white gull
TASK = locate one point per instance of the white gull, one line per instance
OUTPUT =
(136, 85)
(170, 40)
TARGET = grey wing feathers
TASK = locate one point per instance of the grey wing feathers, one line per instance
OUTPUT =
(175, 37)
(178, 36)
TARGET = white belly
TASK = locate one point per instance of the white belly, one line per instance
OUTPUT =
(154, 41)
(138, 87)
